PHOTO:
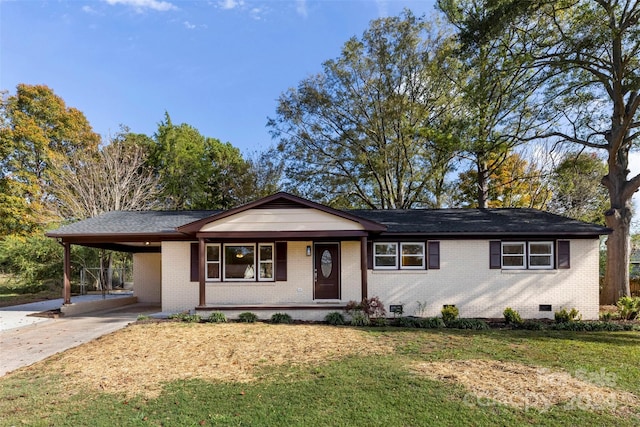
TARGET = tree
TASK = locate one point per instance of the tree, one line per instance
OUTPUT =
(198, 172)
(516, 183)
(590, 52)
(36, 129)
(117, 177)
(497, 91)
(369, 131)
(577, 189)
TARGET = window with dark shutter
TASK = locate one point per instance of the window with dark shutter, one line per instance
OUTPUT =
(195, 263)
(434, 255)
(369, 255)
(281, 261)
(495, 254)
(564, 254)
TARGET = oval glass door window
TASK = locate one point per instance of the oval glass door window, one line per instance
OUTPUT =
(326, 264)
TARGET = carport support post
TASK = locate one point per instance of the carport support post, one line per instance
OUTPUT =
(201, 271)
(363, 266)
(66, 288)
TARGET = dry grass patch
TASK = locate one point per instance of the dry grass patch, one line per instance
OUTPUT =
(141, 357)
(521, 386)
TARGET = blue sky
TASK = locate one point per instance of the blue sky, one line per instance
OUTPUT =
(216, 65)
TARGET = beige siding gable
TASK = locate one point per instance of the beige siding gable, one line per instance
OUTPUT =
(281, 220)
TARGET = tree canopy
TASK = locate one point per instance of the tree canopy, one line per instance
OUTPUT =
(371, 129)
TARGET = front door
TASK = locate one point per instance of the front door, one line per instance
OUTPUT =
(327, 271)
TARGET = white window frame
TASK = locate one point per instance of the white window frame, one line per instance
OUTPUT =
(260, 262)
(395, 256)
(402, 255)
(550, 254)
(523, 255)
(207, 262)
(224, 263)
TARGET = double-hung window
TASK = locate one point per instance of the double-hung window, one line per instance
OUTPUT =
(385, 255)
(513, 255)
(213, 262)
(265, 261)
(540, 255)
(412, 255)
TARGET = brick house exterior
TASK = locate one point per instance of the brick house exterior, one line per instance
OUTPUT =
(287, 254)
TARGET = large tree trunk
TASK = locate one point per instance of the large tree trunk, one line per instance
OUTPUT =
(483, 185)
(617, 270)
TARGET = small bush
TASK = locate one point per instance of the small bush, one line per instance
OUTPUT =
(247, 317)
(379, 321)
(142, 317)
(606, 316)
(407, 322)
(186, 317)
(628, 307)
(432, 323)
(217, 317)
(449, 313)
(475, 324)
(358, 318)
(580, 326)
(532, 325)
(281, 318)
(334, 318)
(512, 317)
(564, 316)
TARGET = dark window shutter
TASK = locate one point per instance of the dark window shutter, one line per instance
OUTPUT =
(495, 254)
(434, 255)
(563, 254)
(195, 263)
(369, 255)
(281, 261)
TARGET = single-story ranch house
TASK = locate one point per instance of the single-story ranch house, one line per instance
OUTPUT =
(287, 254)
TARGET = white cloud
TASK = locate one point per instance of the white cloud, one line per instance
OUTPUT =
(301, 8)
(89, 9)
(230, 4)
(188, 25)
(141, 5)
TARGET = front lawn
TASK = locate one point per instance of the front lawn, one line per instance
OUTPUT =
(176, 374)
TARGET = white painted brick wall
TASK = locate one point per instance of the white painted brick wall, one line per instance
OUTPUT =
(147, 277)
(178, 293)
(464, 279)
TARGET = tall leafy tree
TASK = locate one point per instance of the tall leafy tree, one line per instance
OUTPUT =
(590, 52)
(516, 183)
(498, 106)
(198, 172)
(36, 129)
(368, 130)
(577, 191)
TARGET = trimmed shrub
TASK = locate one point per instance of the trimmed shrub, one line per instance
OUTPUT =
(378, 321)
(512, 317)
(532, 325)
(432, 323)
(628, 307)
(407, 322)
(217, 317)
(475, 324)
(186, 317)
(564, 316)
(334, 318)
(449, 313)
(358, 318)
(247, 317)
(281, 318)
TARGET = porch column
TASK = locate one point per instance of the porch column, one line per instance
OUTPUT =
(363, 266)
(202, 272)
(66, 282)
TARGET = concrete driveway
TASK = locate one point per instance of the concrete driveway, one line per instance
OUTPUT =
(37, 338)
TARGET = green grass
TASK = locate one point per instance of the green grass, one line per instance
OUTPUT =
(356, 391)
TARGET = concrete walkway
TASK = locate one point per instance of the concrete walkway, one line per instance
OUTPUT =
(36, 338)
